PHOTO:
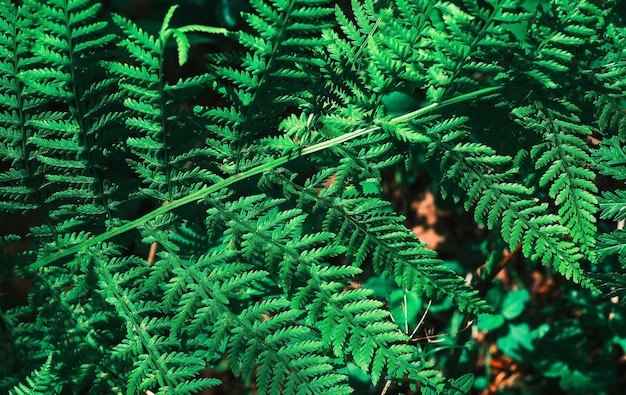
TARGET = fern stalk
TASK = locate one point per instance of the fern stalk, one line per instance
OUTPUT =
(273, 164)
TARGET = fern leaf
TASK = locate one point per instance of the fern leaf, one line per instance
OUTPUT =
(522, 218)
(152, 104)
(572, 189)
(39, 382)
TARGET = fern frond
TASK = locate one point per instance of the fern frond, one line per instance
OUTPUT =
(284, 48)
(570, 181)
(67, 45)
(39, 382)
(154, 113)
(501, 201)
(18, 184)
(370, 230)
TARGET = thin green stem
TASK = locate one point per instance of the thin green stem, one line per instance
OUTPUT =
(204, 192)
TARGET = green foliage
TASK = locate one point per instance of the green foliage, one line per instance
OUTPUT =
(266, 204)
(39, 382)
(572, 352)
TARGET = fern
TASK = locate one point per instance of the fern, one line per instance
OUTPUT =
(38, 382)
(263, 208)
(611, 161)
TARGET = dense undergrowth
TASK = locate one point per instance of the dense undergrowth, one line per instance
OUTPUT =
(198, 208)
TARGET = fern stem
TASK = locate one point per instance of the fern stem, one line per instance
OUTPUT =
(201, 194)
(484, 281)
(165, 138)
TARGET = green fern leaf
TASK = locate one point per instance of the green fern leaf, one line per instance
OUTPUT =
(39, 382)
